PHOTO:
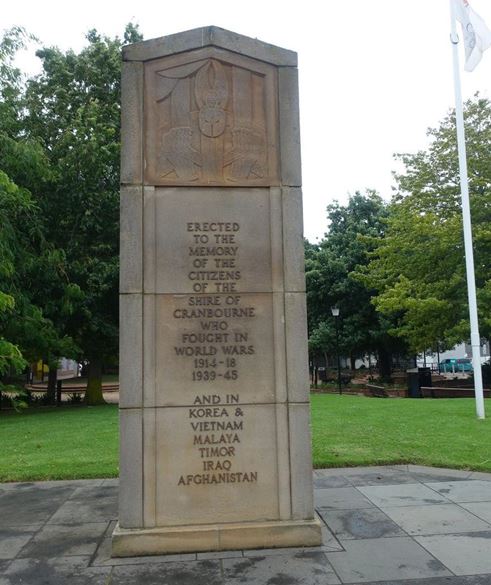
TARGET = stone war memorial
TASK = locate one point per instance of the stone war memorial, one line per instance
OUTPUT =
(214, 404)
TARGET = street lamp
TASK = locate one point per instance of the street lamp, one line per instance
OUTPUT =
(335, 314)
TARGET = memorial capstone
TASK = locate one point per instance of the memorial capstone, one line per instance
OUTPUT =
(214, 403)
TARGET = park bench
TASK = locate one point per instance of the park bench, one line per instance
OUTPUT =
(377, 391)
(71, 389)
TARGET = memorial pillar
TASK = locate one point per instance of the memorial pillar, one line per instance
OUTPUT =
(214, 385)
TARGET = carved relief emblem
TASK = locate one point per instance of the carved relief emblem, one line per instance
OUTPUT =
(178, 156)
(209, 123)
(211, 96)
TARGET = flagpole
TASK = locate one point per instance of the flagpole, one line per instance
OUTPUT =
(466, 216)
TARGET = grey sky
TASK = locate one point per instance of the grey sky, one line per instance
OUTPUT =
(373, 74)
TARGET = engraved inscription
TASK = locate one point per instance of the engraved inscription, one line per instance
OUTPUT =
(216, 433)
(212, 350)
(215, 241)
(213, 324)
(222, 242)
(214, 343)
(214, 334)
(219, 458)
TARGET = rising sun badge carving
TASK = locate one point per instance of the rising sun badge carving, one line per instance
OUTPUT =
(210, 124)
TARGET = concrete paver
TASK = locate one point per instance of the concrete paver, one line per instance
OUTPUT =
(387, 477)
(437, 519)
(480, 509)
(358, 524)
(311, 568)
(65, 540)
(464, 491)
(88, 504)
(423, 473)
(333, 481)
(13, 539)
(346, 498)
(469, 580)
(59, 571)
(403, 495)
(224, 554)
(463, 554)
(394, 525)
(385, 558)
(480, 475)
(329, 542)
(27, 506)
(184, 573)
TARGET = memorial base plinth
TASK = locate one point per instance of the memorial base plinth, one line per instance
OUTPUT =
(214, 537)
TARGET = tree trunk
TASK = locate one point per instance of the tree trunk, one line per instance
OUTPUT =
(352, 361)
(384, 364)
(52, 379)
(58, 392)
(93, 392)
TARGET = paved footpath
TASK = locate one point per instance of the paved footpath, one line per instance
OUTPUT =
(400, 525)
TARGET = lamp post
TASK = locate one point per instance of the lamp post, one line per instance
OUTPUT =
(335, 314)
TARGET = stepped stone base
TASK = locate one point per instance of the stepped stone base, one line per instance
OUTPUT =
(215, 537)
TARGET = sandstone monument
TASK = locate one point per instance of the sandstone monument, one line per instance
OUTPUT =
(214, 403)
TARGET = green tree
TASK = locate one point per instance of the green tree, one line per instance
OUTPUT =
(13, 202)
(353, 231)
(418, 268)
(34, 277)
(74, 113)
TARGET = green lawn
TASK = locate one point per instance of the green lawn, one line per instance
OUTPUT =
(354, 430)
(81, 442)
(59, 443)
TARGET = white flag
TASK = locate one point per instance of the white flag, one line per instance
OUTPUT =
(477, 36)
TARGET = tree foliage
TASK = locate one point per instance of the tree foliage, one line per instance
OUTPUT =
(353, 231)
(74, 114)
(419, 267)
(59, 153)
(16, 205)
(13, 202)
(32, 277)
